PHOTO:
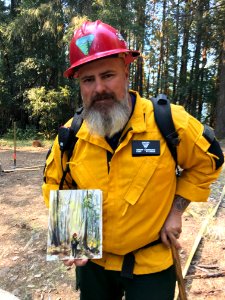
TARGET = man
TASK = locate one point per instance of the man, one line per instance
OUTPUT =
(143, 199)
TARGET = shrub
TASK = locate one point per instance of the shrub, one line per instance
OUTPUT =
(21, 134)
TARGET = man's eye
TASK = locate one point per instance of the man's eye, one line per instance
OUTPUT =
(108, 75)
(86, 80)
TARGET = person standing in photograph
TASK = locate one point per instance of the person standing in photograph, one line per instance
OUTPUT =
(74, 244)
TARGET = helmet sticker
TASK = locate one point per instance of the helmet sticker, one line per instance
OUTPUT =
(84, 43)
(120, 37)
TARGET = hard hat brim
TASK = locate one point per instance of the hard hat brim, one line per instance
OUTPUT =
(71, 73)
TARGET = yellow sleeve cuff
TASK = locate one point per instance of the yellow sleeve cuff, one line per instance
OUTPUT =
(192, 192)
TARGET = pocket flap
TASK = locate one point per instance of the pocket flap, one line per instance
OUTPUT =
(145, 172)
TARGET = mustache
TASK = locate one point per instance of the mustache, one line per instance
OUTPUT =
(103, 96)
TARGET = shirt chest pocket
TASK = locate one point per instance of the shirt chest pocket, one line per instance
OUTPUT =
(82, 175)
(140, 181)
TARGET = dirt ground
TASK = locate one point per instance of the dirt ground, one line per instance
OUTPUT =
(23, 235)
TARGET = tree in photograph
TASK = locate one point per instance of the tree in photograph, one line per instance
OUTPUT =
(87, 206)
(55, 233)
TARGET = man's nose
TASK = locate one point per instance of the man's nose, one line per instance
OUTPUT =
(99, 86)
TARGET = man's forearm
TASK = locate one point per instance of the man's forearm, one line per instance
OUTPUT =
(172, 227)
(180, 203)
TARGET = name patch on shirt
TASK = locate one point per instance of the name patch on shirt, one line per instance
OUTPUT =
(145, 148)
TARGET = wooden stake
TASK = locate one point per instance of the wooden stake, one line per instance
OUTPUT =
(21, 169)
(14, 153)
(210, 275)
(180, 279)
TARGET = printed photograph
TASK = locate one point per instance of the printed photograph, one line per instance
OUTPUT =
(75, 224)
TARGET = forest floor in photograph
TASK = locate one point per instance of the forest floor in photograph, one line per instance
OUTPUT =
(23, 237)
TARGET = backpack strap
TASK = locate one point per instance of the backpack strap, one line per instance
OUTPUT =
(77, 120)
(67, 141)
(164, 121)
(129, 260)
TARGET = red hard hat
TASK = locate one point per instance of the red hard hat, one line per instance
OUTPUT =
(95, 40)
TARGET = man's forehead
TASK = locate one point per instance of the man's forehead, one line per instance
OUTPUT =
(101, 65)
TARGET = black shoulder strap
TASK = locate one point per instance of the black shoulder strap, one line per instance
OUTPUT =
(74, 128)
(164, 121)
(77, 120)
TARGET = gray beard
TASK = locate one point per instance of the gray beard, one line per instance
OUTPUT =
(109, 121)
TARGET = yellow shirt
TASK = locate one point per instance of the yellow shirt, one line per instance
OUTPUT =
(138, 191)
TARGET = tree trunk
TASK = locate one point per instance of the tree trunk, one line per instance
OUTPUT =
(182, 90)
(141, 20)
(220, 105)
(165, 89)
(161, 53)
(176, 44)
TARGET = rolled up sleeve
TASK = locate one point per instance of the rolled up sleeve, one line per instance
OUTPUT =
(52, 174)
(197, 163)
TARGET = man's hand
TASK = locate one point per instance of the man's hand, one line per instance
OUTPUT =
(172, 227)
(76, 262)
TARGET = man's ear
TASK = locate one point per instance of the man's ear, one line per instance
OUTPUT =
(127, 71)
